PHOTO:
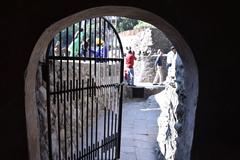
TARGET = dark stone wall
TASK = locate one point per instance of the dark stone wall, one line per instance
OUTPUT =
(209, 27)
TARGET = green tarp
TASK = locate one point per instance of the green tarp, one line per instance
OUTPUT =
(76, 46)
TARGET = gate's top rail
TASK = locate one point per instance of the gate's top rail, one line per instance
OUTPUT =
(90, 38)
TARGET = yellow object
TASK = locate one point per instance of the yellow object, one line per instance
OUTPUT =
(99, 41)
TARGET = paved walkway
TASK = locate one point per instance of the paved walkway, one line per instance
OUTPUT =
(139, 130)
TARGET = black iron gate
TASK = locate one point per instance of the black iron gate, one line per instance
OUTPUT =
(84, 91)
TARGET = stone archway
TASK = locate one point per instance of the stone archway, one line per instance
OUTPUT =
(190, 76)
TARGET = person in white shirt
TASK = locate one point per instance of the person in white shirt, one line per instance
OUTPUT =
(173, 61)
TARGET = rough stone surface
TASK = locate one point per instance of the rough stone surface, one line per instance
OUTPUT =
(171, 120)
(139, 129)
(145, 43)
(106, 74)
(172, 139)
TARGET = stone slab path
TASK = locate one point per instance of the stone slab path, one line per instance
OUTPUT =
(139, 130)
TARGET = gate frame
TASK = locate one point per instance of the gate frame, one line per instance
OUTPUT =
(191, 71)
(119, 85)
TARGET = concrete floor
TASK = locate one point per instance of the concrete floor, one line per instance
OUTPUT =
(139, 130)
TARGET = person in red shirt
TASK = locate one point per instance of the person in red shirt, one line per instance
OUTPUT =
(129, 65)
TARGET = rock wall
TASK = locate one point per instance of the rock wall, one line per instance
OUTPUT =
(145, 43)
(173, 131)
(172, 140)
(145, 70)
(107, 73)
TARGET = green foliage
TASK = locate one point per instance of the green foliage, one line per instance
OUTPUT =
(124, 24)
(142, 24)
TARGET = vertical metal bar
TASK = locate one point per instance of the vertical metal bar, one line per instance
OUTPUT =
(88, 149)
(112, 135)
(85, 37)
(74, 59)
(108, 133)
(116, 47)
(84, 153)
(58, 122)
(79, 61)
(61, 68)
(102, 149)
(80, 38)
(95, 37)
(99, 46)
(92, 84)
(96, 135)
(73, 39)
(71, 133)
(108, 100)
(104, 127)
(89, 52)
(112, 147)
(82, 110)
(120, 110)
(77, 131)
(105, 151)
(93, 151)
(65, 119)
(49, 109)
(99, 58)
(112, 47)
(113, 112)
(108, 112)
(87, 114)
(98, 150)
(89, 154)
(112, 123)
(115, 135)
(104, 30)
(67, 70)
(104, 39)
(54, 85)
(90, 40)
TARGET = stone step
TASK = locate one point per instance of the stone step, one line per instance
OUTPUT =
(141, 90)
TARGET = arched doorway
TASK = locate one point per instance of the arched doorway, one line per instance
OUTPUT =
(191, 74)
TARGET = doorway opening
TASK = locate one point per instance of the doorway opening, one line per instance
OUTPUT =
(190, 72)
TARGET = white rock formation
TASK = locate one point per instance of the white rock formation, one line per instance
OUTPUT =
(172, 115)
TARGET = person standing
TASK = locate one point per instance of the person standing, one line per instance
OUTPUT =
(173, 62)
(159, 68)
(129, 64)
(74, 52)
